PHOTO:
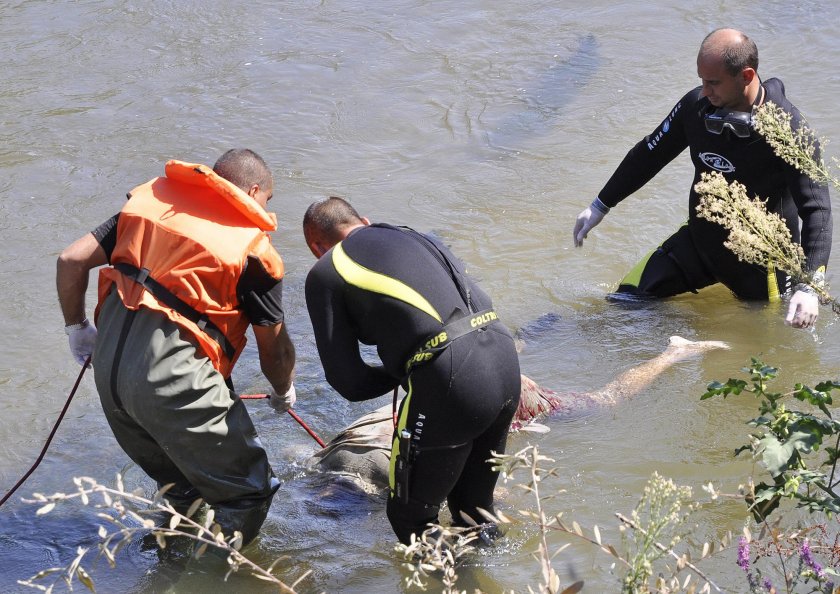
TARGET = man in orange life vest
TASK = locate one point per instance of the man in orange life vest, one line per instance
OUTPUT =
(191, 266)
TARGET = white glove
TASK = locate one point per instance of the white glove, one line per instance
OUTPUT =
(588, 219)
(803, 309)
(82, 341)
(283, 402)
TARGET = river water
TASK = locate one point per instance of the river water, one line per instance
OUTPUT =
(491, 124)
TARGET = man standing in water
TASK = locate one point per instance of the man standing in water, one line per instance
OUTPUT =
(191, 266)
(714, 122)
(437, 335)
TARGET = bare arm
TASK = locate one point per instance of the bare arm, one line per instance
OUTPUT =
(72, 274)
(277, 356)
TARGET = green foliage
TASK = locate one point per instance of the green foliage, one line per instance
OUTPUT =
(798, 448)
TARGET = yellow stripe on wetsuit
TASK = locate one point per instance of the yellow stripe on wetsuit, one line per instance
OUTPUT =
(772, 285)
(364, 278)
(395, 445)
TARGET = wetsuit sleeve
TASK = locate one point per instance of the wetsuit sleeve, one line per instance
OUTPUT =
(650, 155)
(336, 339)
(814, 207)
(106, 235)
(260, 294)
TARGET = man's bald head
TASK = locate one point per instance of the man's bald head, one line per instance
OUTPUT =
(732, 47)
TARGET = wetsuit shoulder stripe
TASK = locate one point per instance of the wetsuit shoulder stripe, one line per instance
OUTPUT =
(364, 278)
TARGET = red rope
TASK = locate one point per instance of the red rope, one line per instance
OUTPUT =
(67, 405)
(292, 414)
(52, 433)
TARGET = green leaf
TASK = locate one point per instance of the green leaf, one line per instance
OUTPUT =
(732, 386)
(765, 502)
(777, 456)
(827, 386)
(819, 398)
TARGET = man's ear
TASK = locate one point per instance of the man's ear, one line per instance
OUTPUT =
(317, 248)
(748, 75)
(365, 221)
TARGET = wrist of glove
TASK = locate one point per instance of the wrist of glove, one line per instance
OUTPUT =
(82, 339)
(813, 286)
(283, 402)
(599, 206)
(588, 219)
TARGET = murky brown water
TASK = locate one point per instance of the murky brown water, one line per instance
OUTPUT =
(490, 123)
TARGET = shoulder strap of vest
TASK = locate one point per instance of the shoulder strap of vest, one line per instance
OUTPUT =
(171, 300)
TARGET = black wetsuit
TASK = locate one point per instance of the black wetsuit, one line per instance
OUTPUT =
(695, 257)
(394, 288)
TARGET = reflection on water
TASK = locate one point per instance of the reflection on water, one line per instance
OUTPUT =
(491, 124)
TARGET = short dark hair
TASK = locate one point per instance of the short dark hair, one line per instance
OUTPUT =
(244, 168)
(326, 217)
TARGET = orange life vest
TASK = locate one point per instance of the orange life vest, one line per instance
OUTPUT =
(193, 232)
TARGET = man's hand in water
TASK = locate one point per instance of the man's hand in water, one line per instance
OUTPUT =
(283, 402)
(803, 309)
(588, 219)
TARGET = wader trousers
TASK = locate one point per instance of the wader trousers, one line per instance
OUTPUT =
(174, 415)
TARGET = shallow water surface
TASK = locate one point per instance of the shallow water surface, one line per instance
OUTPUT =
(491, 124)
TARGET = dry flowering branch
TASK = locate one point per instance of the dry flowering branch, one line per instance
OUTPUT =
(117, 509)
(437, 550)
(796, 147)
(756, 236)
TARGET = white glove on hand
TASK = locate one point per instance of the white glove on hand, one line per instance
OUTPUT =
(82, 342)
(283, 402)
(803, 309)
(588, 219)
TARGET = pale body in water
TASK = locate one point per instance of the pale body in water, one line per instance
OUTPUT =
(362, 450)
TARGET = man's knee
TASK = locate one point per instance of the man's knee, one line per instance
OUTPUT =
(658, 275)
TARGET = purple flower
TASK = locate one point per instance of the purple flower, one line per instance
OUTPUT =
(743, 553)
(767, 585)
(808, 559)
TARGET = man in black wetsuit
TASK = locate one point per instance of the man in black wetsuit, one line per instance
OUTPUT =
(437, 335)
(695, 257)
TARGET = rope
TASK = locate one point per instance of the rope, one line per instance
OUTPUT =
(292, 414)
(52, 433)
(67, 405)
